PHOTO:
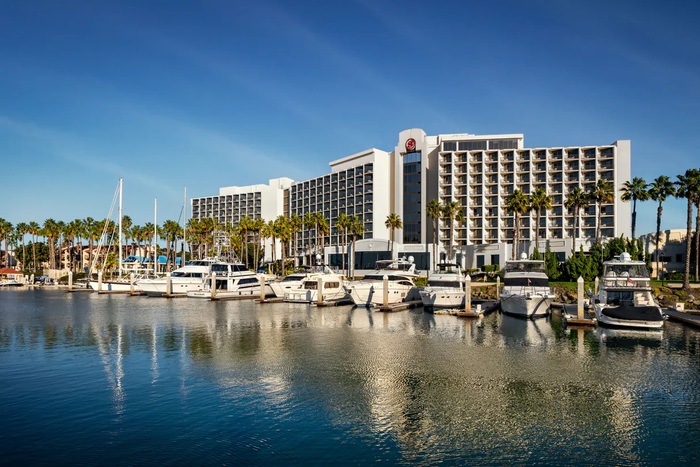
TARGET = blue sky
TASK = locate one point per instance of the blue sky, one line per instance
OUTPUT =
(174, 94)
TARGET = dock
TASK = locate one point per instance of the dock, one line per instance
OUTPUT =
(399, 306)
(691, 318)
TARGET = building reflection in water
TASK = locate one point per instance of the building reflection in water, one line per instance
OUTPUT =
(434, 385)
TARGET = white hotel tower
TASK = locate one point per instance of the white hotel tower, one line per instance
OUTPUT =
(476, 171)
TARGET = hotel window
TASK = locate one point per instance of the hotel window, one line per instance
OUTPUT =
(411, 216)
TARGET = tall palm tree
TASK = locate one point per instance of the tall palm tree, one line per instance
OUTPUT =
(660, 189)
(393, 222)
(357, 229)
(295, 224)
(342, 223)
(283, 231)
(322, 230)
(687, 186)
(170, 231)
(6, 229)
(434, 210)
(539, 201)
(258, 225)
(34, 229)
(309, 224)
(245, 225)
(268, 231)
(449, 211)
(518, 203)
(634, 191)
(22, 229)
(126, 229)
(602, 193)
(52, 231)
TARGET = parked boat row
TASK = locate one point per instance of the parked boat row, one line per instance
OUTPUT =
(625, 298)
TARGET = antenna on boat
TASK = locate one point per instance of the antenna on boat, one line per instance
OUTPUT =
(155, 237)
(184, 228)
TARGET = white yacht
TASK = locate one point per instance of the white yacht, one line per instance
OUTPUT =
(526, 292)
(233, 280)
(187, 278)
(294, 280)
(369, 291)
(307, 292)
(625, 299)
(445, 288)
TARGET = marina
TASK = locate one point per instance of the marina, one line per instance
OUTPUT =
(136, 380)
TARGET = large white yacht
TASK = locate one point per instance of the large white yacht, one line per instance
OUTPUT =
(293, 281)
(526, 292)
(333, 288)
(625, 299)
(233, 280)
(187, 278)
(445, 288)
(369, 291)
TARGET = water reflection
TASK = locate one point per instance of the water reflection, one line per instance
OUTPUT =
(406, 386)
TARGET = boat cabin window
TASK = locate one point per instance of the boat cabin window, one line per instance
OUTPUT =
(219, 268)
(526, 282)
(186, 274)
(238, 268)
(293, 277)
(248, 280)
(624, 298)
(445, 283)
(313, 285)
(394, 265)
(525, 266)
(626, 270)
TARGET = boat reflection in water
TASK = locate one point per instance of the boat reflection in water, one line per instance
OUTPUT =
(298, 384)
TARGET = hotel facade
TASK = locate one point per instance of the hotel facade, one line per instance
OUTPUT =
(476, 171)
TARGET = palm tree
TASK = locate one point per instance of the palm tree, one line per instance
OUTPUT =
(309, 223)
(660, 189)
(34, 229)
(126, 229)
(434, 210)
(322, 229)
(295, 224)
(22, 229)
(245, 225)
(687, 187)
(5, 230)
(539, 201)
(343, 223)
(258, 225)
(357, 229)
(393, 222)
(51, 230)
(449, 211)
(283, 231)
(602, 193)
(518, 203)
(170, 231)
(633, 191)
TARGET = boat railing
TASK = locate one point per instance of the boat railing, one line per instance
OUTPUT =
(527, 290)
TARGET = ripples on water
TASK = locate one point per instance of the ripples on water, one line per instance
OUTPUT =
(100, 379)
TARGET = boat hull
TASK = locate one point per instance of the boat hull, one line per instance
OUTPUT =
(526, 306)
(615, 317)
(248, 292)
(372, 294)
(158, 287)
(442, 298)
(310, 296)
(114, 286)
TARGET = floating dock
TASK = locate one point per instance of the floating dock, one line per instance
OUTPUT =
(686, 317)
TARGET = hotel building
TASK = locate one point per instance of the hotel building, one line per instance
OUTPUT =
(476, 171)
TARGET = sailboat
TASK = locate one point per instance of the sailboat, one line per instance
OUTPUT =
(123, 281)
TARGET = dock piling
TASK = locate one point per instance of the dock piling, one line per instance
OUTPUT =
(468, 294)
(385, 290)
(213, 286)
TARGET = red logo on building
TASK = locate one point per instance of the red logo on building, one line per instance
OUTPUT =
(410, 144)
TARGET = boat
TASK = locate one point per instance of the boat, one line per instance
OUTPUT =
(526, 292)
(625, 298)
(369, 291)
(445, 288)
(187, 278)
(292, 281)
(333, 288)
(233, 280)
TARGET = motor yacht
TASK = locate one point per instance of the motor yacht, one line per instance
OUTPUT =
(369, 291)
(445, 288)
(526, 292)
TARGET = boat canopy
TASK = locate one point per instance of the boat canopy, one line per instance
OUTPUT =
(525, 266)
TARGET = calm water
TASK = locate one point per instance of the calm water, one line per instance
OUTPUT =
(99, 379)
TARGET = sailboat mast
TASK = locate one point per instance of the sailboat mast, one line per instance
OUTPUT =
(184, 228)
(155, 237)
(120, 227)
